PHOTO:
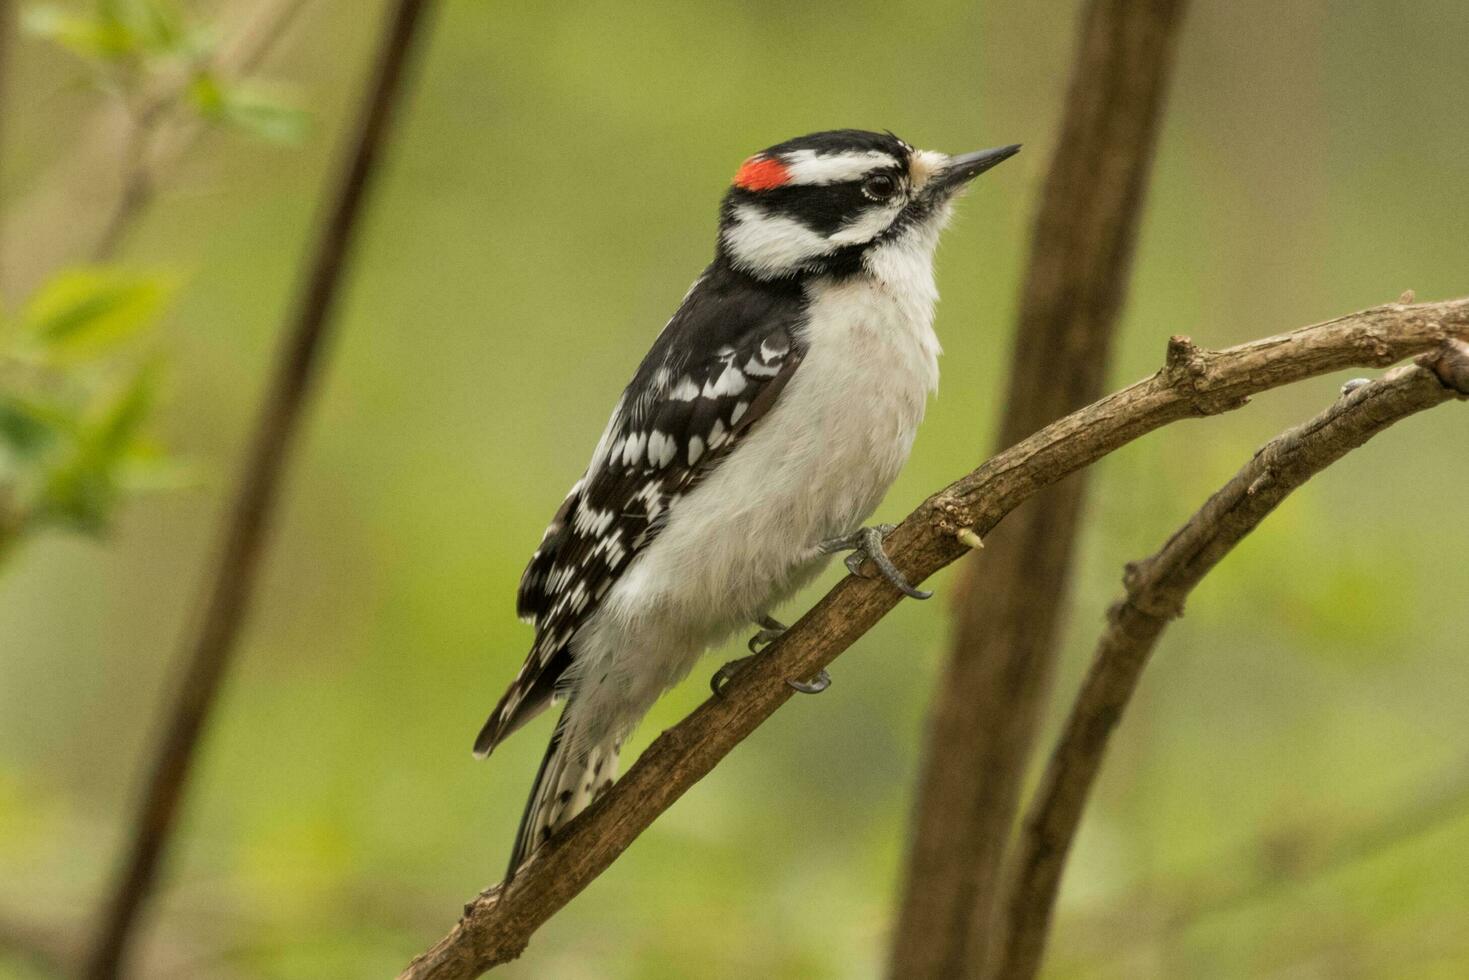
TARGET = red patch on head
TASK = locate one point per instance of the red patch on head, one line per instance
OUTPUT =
(761, 174)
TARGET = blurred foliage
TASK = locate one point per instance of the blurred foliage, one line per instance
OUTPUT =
(120, 31)
(135, 47)
(75, 394)
(550, 197)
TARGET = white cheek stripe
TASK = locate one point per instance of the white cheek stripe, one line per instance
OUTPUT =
(806, 167)
(868, 226)
(771, 243)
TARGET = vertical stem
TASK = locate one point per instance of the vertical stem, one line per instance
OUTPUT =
(1010, 598)
(207, 655)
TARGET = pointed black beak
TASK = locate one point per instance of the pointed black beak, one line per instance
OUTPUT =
(962, 169)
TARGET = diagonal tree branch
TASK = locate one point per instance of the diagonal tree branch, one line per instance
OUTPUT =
(298, 363)
(1008, 607)
(498, 924)
(1155, 592)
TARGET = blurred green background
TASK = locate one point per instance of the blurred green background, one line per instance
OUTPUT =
(1289, 796)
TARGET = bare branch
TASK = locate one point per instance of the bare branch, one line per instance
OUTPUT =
(498, 924)
(207, 655)
(1155, 592)
(1007, 608)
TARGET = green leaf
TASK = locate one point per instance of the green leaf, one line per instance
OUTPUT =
(104, 37)
(120, 419)
(158, 25)
(207, 95)
(253, 109)
(82, 491)
(25, 429)
(83, 311)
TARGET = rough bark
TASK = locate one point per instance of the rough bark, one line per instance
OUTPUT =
(1008, 606)
(1156, 589)
(497, 925)
(208, 652)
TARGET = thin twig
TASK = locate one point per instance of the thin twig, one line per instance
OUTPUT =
(1007, 608)
(1156, 589)
(498, 924)
(208, 654)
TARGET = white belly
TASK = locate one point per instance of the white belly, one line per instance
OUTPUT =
(745, 539)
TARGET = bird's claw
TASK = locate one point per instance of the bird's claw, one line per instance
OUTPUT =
(866, 544)
(725, 674)
(771, 630)
(815, 685)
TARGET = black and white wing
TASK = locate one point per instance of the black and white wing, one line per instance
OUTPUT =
(714, 372)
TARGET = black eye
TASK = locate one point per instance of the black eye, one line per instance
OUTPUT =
(879, 187)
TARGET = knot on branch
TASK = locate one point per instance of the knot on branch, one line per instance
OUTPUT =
(1141, 592)
(1450, 364)
(485, 899)
(1186, 369)
(1374, 349)
(949, 515)
(1184, 355)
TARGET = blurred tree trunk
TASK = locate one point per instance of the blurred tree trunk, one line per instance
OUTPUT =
(1010, 598)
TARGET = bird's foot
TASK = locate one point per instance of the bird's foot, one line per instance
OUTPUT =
(866, 543)
(771, 630)
(815, 685)
(725, 674)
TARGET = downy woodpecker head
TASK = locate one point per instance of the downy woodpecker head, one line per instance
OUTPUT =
(818, 204)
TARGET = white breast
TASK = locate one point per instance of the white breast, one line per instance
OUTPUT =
(814, 468)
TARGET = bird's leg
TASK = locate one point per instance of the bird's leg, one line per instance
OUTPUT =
(770, 631)
(865, 543)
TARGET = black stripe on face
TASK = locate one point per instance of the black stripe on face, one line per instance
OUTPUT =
(828, 208)
(824, 208)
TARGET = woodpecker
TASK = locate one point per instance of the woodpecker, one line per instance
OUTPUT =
(762, 428)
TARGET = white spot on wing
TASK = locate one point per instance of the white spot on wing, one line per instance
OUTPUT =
(633, 451)
(760, 369)
(661, 448)
(730, 382)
